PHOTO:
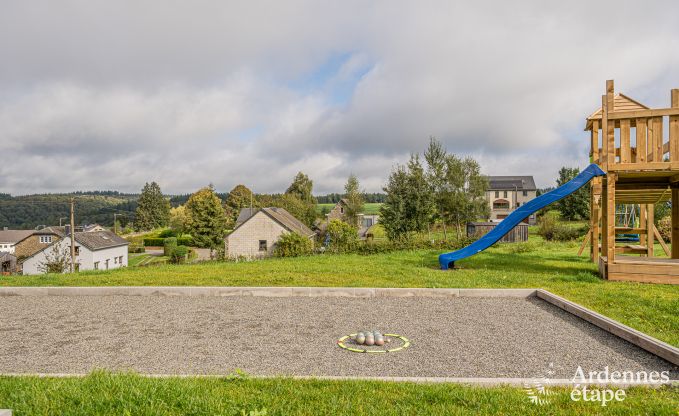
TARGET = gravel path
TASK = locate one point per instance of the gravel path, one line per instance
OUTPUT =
(459, 337)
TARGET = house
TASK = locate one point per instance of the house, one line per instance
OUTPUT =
(94, 250)
(10, 238)
(506, 193)
(365, 221)
(258, 230)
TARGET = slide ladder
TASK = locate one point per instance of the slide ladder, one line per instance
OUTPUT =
(448, 260)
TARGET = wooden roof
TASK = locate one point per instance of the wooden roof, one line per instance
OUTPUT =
(621, 102)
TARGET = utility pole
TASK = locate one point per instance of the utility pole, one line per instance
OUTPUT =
(72, 235)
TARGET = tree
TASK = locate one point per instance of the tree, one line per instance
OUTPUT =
(409, 203)
(206, 218)
(299, 209)
(302, 188)
(437, 176)
(465, 199)
(459, 189)
(575, 206)
(240, 197)
(57, 259)
(153, 210)
(354, 199)
(179, 220)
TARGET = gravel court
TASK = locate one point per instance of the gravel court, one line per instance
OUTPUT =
(451, 337)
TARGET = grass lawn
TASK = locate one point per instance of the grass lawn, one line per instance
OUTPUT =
(144, 259)
(128, 394)
(368, 208)
(536, 264)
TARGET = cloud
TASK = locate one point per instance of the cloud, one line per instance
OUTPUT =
(102, 95)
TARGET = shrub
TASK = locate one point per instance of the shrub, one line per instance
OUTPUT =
(169, 244)
(154, 242)
(523, 247)
(341, 237)
(167, 233)
(665, 228)
(547, 227)
(185, 241)
(565, 233)
(135, 248)
(178, 254)
(293, 245)
(551, 230)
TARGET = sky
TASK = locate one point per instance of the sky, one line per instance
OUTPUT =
(108, 95)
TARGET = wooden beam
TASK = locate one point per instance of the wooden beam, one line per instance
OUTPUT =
(674, 239)
(641, 141)
(650, 226)
(674, 129)
(595, 141)
(645, 166)
(625, 145)
(642, 223)
(584, 242)
(657, 112)
(657, 139)
(661, 241)
(604, 135)
(610, 217)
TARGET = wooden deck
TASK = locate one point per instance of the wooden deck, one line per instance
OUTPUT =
(641, 269)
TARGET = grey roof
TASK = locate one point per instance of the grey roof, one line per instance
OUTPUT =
(281, 216)
(501, 183)
(98, 240)
(14, 236)
(6, 256)
(245, 215)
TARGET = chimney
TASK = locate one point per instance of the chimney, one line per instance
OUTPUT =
(67, 230)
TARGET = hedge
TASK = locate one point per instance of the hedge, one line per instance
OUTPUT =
(160, 242)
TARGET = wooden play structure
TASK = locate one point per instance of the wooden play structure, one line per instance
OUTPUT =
(642, 169)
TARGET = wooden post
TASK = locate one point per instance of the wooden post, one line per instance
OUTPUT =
(674, 129)
(642, 223)
(625, 145)
(650, 237)
(604, 129)
(604, 213)
(610, 217)
(674, 241)
(674, 156)
(642, 153)
(609, 132)
(595, 141)
(657, 139)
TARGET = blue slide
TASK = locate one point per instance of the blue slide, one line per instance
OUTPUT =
(448, 259)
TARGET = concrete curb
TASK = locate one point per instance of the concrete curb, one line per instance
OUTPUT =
(477, 381)
(641, 340)
(352, 292)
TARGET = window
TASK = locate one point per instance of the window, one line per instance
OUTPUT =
(77, 250)
(341, 210)
(497, 194)
(262, 245)
(525, 193)
(106, 264)
(120, 260)
(96, 265)
(115, 260)
(45, 239)
(505, 194)
(500, 204)
(518, 204)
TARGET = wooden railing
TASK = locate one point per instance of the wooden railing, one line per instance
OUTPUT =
(649, 151)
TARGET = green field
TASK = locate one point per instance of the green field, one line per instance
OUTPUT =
(369, 208)
(535, 264)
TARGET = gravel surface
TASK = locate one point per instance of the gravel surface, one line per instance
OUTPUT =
(458, 337)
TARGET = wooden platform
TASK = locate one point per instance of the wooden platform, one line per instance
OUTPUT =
(641, 269)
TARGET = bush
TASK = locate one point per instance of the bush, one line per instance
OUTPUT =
(178, 254)
(551, 230)
(169, 244)
(293, 245)
(665, 228)
(185, 241)
(167, 233)
(341, 237)
(523, 247)
(154, 242)
(135, 249)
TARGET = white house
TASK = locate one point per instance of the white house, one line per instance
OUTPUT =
(94, 250)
